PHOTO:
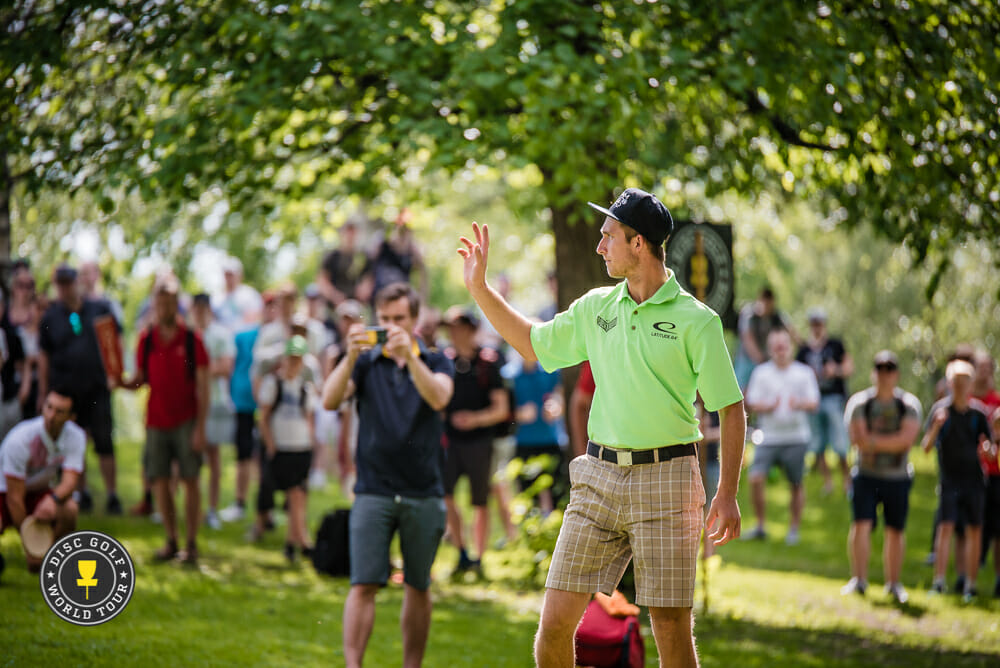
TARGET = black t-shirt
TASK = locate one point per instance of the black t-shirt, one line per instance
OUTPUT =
(74, 356)
(346, 269)
(833, 350)
(391, 266)
(10, 379)
(475, 379)
(958, 443)
(399, 434)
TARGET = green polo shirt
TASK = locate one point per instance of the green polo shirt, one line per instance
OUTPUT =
(648, 360)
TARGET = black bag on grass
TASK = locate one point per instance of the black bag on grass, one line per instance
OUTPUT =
(332, 554)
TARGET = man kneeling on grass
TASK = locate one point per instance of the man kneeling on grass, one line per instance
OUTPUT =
(35, 454)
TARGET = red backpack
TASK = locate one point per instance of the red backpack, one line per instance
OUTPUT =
(603, 641)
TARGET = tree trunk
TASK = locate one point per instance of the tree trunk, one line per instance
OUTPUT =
(6, 192)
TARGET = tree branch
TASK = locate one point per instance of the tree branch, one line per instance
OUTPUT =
(787, 133)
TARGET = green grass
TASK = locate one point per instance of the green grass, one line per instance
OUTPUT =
(768, 604)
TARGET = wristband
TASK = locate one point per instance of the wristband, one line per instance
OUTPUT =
(59, 500)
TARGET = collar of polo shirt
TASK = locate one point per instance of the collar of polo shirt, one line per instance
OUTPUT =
(668, 291)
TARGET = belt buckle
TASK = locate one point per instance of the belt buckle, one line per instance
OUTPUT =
(624, 457)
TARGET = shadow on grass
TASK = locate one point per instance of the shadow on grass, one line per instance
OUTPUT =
(726, 641)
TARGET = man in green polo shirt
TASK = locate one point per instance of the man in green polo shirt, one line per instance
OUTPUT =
(637, 493)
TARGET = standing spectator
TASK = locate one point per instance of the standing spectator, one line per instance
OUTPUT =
(91, 288)
(884, 422)
(346, 271)
(221, 347)
(397, 256)
(541, 431)
(172, 359)
(273, 336)
(832, 364)
(479, 403)
(40, 461)
(984, 389)
(958, 428)
(15, 374)
(29, 332)
(70, 358)
(579, 408)
(238, 306)
(22, 283)
(287, 430)
(708, 454)
(241, 390)
(757, 320)
(401, 387)
(782, 392)
(22, 314)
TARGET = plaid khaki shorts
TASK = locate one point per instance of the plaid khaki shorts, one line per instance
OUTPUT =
(652, 512)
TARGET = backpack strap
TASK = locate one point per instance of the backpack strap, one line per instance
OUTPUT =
(279, 389)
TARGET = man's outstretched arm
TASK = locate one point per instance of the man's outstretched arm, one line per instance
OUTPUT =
(511, 325)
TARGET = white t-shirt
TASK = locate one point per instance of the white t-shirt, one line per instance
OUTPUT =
(219, 342)
(28, 449)
(240, 309)
(290, 419)
(783, 426)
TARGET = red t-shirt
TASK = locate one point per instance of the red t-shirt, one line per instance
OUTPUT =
(992, 401)
(172, 397)
(585, 383)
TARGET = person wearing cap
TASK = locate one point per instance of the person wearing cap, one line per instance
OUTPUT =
(637, 493)
(401, 387)
(756, 321)
(832, 364)
(346, 271)
(286, 399)
(70, 357)
(41, 460)
(883, 422)
(221, 347)
(960, 430)
(237, 305)
(479, 404)
(172, 360)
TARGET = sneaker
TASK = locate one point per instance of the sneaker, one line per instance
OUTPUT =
(289, 552)
(166, 553)
(792, 538)
(212, 520)
(317, 479)
(757, 533)
(306, 551)
(142, 509)
(114, 505)
(155, 517)
(233, 513)
(959, 587)
(897, 592)
(938, 587)
(854, 586)
(970, 595)
(189, 557)
(85, 502)
(464, 563)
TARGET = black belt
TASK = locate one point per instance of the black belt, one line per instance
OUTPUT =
(632, 457)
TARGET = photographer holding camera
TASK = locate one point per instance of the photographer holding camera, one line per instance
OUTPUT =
(401, 387)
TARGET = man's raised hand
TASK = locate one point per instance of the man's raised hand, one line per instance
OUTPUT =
(475, 256)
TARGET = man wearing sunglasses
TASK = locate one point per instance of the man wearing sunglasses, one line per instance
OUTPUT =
(883, 423)
(70, 358)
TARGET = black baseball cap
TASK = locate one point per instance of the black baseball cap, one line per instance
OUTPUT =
(642, 212)
(65, 274)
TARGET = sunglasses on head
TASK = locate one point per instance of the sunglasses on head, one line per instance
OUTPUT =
(885, 367)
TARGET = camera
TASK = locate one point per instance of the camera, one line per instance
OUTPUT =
(376, 335)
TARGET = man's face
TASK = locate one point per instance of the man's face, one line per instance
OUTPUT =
(89, 274)
(779, 346)
(984, 368)
(67, 291)
(232, 279)
(165, 307)
(56, 411)
(287, 305)
(961, 386)
(619, 256)
(461, 334)
(395, 312)
(817, 327)
(202, 315)
(886, 374)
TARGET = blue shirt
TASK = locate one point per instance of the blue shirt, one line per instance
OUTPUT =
(240, 385)
(534, 387)
(399, 434)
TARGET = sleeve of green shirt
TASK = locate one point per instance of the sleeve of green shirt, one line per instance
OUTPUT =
(560, 342)
(710, 361)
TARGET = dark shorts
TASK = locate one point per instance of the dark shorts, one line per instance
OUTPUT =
(470, 458)
(164, 446)
(963, 502)
(31, 501)
(529, 474)
(991, 520)
(374, 521)
(93, 413)
(246, 436)
(290, 469)
(791, 458)
(867, 492)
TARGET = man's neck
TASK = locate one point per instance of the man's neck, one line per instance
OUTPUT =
(73, 304)
(885, 392)
(818, 341)
(468, 352)
(781, 366)
(53, 432)
(960, 403)
(647, 279)
(167, 328)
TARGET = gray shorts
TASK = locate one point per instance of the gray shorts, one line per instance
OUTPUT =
(164, 446)
(791, 458)
(374, 520)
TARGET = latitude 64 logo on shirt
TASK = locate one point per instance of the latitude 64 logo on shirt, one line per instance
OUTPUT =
(607, 325)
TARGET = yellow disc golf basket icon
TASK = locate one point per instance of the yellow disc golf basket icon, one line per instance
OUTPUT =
(87, 568)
